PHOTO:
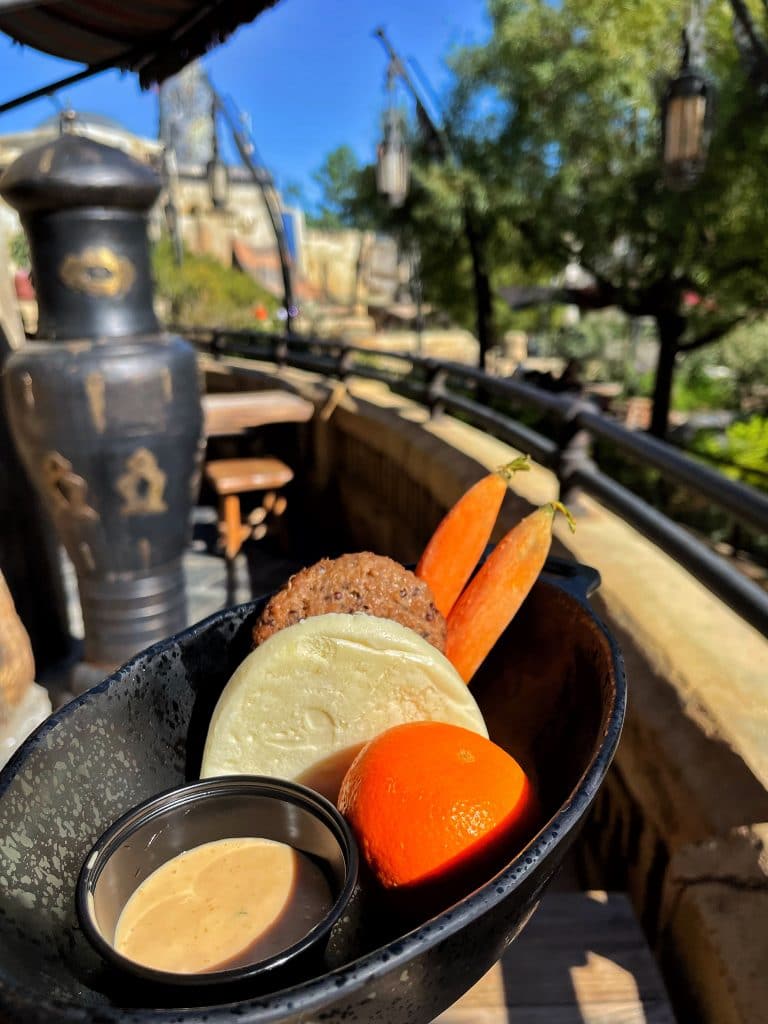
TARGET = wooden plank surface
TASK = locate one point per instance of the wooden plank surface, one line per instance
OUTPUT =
(582, 959)
(230, 414)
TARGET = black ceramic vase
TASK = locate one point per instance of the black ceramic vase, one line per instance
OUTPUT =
(104, 407)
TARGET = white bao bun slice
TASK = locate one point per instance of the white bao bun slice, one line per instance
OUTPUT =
(303, 703)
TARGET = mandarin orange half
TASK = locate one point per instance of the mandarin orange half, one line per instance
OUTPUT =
(430, 802)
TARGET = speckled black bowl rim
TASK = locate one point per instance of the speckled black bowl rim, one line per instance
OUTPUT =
(312, 995)
(203, 790)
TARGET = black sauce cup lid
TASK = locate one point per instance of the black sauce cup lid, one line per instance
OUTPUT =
(301, 818)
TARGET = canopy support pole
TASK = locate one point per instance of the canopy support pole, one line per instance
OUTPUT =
(47, 90)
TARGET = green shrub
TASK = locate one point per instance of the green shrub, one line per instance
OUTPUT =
(697, 387)
(741, 452)
(202, 292)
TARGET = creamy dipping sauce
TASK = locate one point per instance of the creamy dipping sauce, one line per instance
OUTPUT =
(222, 905)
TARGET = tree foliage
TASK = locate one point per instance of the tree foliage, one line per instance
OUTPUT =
(579, 87)
(745, 352)
(741, 451)
(336, 180)
(577, 90)
(731, 374)
(555, 122)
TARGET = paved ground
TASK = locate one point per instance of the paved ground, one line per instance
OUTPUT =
(207, 584)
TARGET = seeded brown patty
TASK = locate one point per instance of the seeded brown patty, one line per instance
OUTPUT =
(362, 582)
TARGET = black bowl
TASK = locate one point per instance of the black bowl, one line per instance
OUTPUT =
(552, 691)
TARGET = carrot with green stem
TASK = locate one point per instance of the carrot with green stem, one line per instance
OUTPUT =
(457, 544)
(492, 599)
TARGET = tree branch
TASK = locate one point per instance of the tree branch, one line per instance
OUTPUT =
(713, 334)
(527, 229)
(743, 16)
(527, 296)
(751, 46)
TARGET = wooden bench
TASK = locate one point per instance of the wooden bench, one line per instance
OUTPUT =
(232, 478)
(230, 414)
(233, 414)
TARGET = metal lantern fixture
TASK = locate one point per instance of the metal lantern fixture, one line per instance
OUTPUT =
(687, 118)
(216, 171)
(392, 160)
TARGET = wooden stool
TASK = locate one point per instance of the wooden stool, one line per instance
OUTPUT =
(231, 478)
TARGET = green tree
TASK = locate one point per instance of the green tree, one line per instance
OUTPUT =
(731, 374)
(745, 352)
(293, 193)
(573, 94)
(741, 452)
(461, 265)
(555, 125)
(336, 180)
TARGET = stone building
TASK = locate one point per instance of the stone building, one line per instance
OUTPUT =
(351, 267)
(346, 270)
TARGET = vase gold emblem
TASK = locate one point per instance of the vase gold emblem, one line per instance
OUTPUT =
(142, 485)
(98, 271)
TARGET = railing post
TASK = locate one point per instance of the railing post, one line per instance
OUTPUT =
(575, 452)
(570, 455)
(216, 345)
(437, 375)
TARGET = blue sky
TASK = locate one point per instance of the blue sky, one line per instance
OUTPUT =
(309, 72)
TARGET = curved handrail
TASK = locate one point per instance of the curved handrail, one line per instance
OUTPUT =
(446, 386)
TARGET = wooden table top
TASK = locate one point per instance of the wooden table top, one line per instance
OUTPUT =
(237, 412)
(582, 959)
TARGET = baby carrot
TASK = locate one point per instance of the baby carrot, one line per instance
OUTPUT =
(457, 544)
(492, 599)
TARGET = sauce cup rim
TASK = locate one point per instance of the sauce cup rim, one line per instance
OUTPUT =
(191, 792)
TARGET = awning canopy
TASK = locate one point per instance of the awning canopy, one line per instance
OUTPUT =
(155, 38)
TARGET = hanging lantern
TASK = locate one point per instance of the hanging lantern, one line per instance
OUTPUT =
(687, 118)
(392, 162)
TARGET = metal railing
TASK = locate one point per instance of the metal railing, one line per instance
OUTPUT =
(455, 388)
